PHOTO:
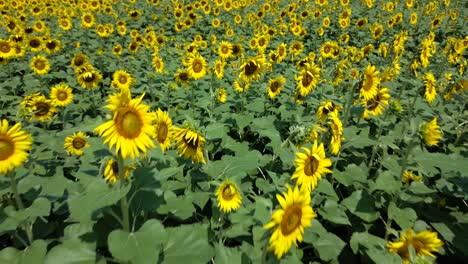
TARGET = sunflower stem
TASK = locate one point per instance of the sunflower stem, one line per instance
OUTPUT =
(376, 146)
(123, 200)
(20, 205)
(348, 104)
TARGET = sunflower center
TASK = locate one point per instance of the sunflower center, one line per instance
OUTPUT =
(51, 45)
(42, 109)
(274, 86)
(368, 83)
(129, 124)
(162, 132)
(78, 143)
(291, 219)
(311, 165)
(197, 66)
(115, 168)
(34, 43)
(62, 96)
(123, 79)
(87, 19)
(183, 76)
(225, 49)
(306, 79)
(6, 148)
(40, 65)
(5, 48)
(228, 193)
(192, 144)
(250, 68)
(88, 77)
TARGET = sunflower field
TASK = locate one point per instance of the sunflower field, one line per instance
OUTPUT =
(233, 131)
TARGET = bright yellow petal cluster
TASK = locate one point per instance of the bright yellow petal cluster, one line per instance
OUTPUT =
(229, 197)
(14, 146)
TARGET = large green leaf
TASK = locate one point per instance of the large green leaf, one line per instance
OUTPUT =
(225, 255)
(35, 253)
(142, 246)
(405, 217)
(334, 212)
(361, 204)
(187, 244)
(328, 245)
(72, 251)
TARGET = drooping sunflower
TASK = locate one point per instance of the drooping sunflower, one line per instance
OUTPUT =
(52, 46)
(430, 92)
(252, 68)
(290, 221)
(131, 128)
(158, 64)
(325, 108)
(14, 146)
(424, 243)
(61, 94)
(376, 105)
(281, 52)
(308, 79)
(219, 68)
(42, 109)
(430, 132)
(275, 86)
(189, 143)
(89, 79)
(122, 79)
(228, 196)
(111, 171)
(370, 82)
(163, 125)
(310, 166)
(40, 65)
(295, 49)
(409, 177)
(75, 143)
(336, 127)
(377, 30)
(241, 87)
(196, 66)
(225, 50)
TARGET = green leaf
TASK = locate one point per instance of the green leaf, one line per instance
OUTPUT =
(262, 209)
(362, 205)
(386, 181)
(405, 218)
(72, 251)
(352, 175)
(187, 244)
(328, 245)
(225, 255)
(142, 246)
(325, 187)
(35, 253)
(334, 212)
(179, 206)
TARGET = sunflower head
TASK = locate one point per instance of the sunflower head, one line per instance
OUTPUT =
(14, 146)
(40, 65)
(41, 108)
(275, 86)
(430, 132)
(289, 221)
(111, 171)
(61, 94)
(228, 196)
(190, 143)
(163, 125)
(121, 78)
(424, 243)
(75, 143)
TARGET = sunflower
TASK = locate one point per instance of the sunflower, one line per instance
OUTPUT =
(122, 79)
(163, 129)
(75, 143)
(61, 94)
(336, 127)
(430, 132)
(225, 50)
(158, 64)
(52, 46)
(275, 86)
(310, 166)
(182, 76)
(409, 177)
(361, 23)
(221, 95)
(130, 129)
(430, 92)
(42, 109)
(289, 221)
(229, 197)
(65, 23)
(296, 48)
(196, 66)
(219, 68)
(376, 104)
(189, 143)
(308, 79)
(370, 82)
(6, 49)
(377, 31)
(252, 68)
(326, 108)
(34, 44)
(40, 65)
(241, 87)
(87, 20)
(14, 146)
(90, 79)
(424, 243)
(111, 171)
(117, 50)
(79, 60)
(281, 52)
